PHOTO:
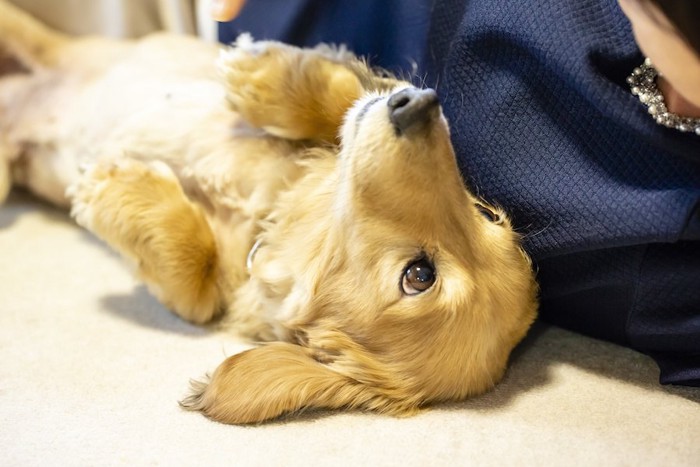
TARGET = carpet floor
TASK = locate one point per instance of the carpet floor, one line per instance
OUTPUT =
(92, 367)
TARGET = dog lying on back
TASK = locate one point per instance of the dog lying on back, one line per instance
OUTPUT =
(296, 194)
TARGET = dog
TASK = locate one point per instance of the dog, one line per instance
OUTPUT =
(296, 196)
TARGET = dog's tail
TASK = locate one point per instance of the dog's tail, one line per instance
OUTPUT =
(25, 43)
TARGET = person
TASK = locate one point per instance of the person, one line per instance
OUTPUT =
(557, 116)
(674, 50)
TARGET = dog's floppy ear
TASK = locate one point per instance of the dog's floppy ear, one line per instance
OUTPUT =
(275, 379)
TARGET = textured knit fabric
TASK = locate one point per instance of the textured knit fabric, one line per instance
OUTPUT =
(544, 124)
(363, 25)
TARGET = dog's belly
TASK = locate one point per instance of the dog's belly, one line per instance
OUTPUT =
(109, 99)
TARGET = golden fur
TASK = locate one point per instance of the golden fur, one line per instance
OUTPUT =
(181, 166)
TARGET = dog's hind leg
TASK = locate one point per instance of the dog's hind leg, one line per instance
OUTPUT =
(26, 39)
(26, 46)
(141, 210)
(293, 93)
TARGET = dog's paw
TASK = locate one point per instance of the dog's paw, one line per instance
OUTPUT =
(117, 179)
(254, 73)
(245, 65)
(83, 192)
(289, 92)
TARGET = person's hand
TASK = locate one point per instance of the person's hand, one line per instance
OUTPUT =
(226, 10)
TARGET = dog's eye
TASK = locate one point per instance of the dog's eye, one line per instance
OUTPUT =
(418, 277)
(488, 213)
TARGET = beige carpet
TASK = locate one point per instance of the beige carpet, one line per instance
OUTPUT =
(91, 368)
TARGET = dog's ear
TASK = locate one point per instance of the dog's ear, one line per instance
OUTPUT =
(276, 379)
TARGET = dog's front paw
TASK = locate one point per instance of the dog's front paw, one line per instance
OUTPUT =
(289, 92)
(105, 189)
(140, 210)
(253, 70)
(255, 76)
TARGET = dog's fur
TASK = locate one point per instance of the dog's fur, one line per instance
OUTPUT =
(185, 166)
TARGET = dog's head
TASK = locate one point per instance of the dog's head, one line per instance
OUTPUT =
(399, 286)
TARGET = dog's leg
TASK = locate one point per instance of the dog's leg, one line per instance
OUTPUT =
(140, 210)
(293, 93)
(26, 39)
(25, 44)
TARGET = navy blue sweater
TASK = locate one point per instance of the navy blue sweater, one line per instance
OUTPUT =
(543, 123)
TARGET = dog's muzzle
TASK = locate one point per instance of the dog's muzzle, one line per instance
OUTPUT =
(412, 109)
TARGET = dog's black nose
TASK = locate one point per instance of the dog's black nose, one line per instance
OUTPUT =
(412, 108)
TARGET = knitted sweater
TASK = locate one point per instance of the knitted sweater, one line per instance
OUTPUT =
(609, 202)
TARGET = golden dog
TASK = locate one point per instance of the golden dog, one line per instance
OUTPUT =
(311, 201)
